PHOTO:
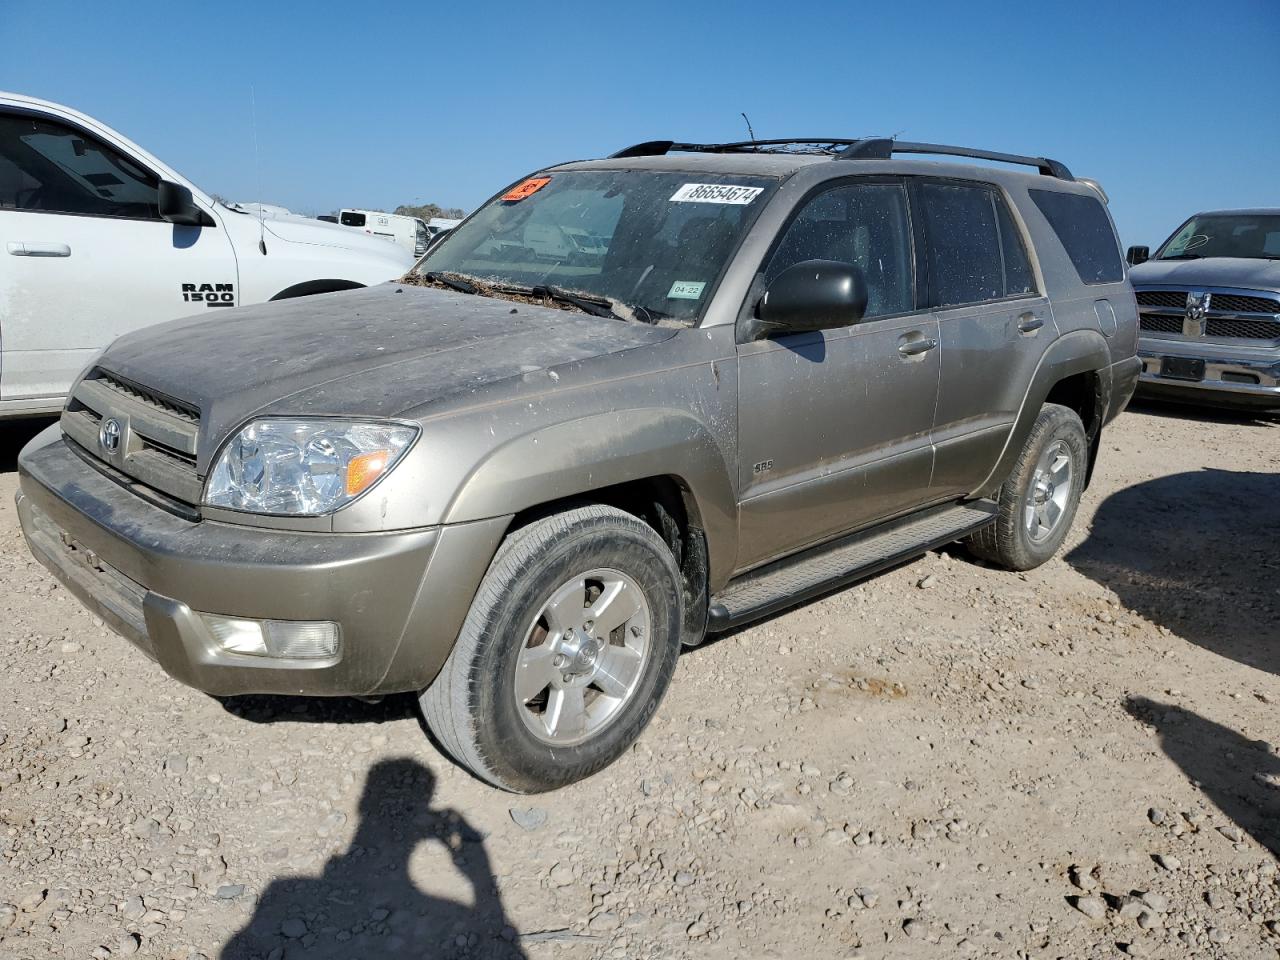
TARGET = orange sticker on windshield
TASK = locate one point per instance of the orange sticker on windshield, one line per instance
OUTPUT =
(526, 189)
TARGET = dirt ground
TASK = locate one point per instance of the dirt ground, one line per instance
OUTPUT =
(946, 761)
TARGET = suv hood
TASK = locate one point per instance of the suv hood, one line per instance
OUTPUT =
(378, 352)
(1248, 273)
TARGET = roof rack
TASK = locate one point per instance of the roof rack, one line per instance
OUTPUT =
(866, 148)
(658, 148)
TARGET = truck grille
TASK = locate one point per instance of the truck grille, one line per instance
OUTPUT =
(1162, 298)
(154, 436)
(1218, 303)
(1223, 328)
(1161, 324)
(1164, 311)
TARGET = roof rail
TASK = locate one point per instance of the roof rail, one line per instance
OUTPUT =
(658, 148)
(882, 148)
(867, 148)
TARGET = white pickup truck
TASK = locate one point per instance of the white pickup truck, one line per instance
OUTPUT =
(101, 238)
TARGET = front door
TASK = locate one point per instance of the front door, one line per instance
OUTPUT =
(834, 427)
(85, 254)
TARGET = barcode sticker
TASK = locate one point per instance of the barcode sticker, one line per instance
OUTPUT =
(715, 193)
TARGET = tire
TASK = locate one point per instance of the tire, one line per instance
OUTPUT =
(1012, 541)
(517, 623)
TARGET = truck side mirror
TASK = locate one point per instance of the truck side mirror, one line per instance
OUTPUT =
(178, 206)
(1137, 255)
(812, 295)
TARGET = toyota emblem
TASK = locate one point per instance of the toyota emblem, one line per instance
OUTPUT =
(110, 434)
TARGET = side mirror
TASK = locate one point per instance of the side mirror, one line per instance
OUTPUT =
(812, 295)
(1137, 255)
(178, 206)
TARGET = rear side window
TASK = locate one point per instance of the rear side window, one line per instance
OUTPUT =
(350, 219)
(974, 250)
(1085, 231)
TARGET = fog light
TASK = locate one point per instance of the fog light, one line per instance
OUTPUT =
(288, 639)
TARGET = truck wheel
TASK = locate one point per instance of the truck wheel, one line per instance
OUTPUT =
(565, 654)
(1039, 500)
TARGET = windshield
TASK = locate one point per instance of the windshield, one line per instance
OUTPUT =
(651, 241)
(1225, 235)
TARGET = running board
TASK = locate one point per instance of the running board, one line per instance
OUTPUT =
(829, 566)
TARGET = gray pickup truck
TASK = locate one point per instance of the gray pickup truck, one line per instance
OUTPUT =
(627, 403)
(1210, 311)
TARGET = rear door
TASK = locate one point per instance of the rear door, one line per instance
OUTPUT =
(993, 322)
(86, 256)
(834, 427)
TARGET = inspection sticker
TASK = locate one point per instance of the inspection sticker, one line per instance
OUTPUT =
(715, 193)
(685, 290)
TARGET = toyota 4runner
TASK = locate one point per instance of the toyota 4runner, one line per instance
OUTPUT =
(627, 403)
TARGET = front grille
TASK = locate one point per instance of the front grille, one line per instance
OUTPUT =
(1242, 329)
(1233, 303)
(1221, 328)
(157, 437)
(1218, 303)
(1161, 324)
(1162, 298)
(173, 407)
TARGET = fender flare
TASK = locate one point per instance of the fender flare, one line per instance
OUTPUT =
(1080, 351)
(575, 457)
(308, 287)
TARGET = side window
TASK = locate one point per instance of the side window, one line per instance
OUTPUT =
(49, 167)
(1018, 281)
(973, 247)
(1085, 231)
(352, 219)
(863, 223)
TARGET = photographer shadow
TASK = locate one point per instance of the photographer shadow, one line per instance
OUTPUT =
(1240, 776)
(365, 903)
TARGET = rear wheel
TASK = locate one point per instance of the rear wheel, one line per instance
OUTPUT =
(565, 654)
(1038, 502)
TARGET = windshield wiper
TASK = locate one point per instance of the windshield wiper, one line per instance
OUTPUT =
(453, 283)
(597, 308)
(1184, 256)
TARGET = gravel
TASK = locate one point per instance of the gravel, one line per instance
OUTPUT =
(947, 760)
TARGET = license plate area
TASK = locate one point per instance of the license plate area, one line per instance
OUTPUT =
(1181, 368)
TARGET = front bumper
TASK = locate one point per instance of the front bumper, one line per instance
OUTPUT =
(399, 598)
(1232, 376)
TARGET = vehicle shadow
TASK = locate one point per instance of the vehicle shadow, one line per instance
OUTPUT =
(14, 435)
(1240, 776)
(1196, 553)
(266, 708)
(365, 903)
(1234, 416)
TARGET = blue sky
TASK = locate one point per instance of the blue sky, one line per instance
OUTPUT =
(1171, 105)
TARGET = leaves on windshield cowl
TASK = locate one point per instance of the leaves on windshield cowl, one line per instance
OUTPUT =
(453, 281)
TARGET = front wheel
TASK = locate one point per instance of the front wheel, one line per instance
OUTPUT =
(1039, 500)
(565, 654)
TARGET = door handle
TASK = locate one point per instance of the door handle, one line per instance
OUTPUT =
(1030, 323)
(30, 248)
(913, 348)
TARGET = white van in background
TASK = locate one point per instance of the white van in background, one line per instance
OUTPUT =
(101, 238)
(410, 232)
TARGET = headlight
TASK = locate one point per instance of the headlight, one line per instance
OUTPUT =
(304, 467)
